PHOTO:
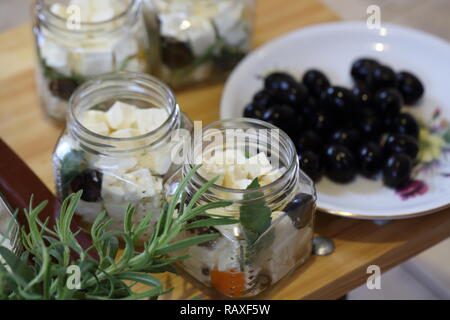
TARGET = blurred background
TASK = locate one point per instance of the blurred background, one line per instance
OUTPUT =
(426, 276)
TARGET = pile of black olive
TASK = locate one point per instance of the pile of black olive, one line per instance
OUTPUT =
(340, 132)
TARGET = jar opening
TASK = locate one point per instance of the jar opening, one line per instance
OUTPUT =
(272, 141)
(138, 90)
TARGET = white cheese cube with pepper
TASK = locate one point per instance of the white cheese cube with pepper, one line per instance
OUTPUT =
(121, 115)
(140, 182)
(150, 119)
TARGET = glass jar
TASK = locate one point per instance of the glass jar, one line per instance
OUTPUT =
(275, 228)
(199, 40)
(80, 39)
(116, 170)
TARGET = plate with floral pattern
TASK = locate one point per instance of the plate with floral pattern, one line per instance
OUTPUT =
(332, 48)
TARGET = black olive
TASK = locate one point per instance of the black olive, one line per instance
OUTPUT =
(294, 96)
(316, 82)
(282, 116)
(262, 100)
(387, 103)
(363, 97)
(251, 111)
(382, 77)
(90, 181)
(406, 124)
(301, 125)
(349, 138)
(309, 141)
(311, 164)
(362, 67)
(401, 143)
(175, 54)
(63, 88)
(370, 125)
(339, 101)
(301, 210)
(340, 164)
(310, 107)
(410, 87)
(397, 170)
(322, 122)
(277, 82)
(370, 159)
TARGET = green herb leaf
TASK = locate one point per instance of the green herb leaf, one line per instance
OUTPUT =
(71, 165)
(254, 214)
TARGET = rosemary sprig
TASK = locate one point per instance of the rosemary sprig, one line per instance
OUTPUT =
(110, 276)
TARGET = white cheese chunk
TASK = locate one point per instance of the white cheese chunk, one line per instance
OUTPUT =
(94, 117)
(54, 55)
(159, 162)
(150, 119)
(140, 184)
(201, 35)
(99, 128)
(121, 115)
(112, 193)
(271, 176)
(92, 62)
(258, 165)
(228, 16)
(171, 25)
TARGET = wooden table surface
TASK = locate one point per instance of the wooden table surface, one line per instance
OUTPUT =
(358, 243)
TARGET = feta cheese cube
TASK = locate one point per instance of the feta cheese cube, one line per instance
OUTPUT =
(271, 176)
(99, 128)
(201, 35)
(171, 23)
(140, 182)
(94, 117)
(229, 14)
(150, 119)
(112, 193)
(121, 115)
(258, 165)
(92, 61)
(159, 162)
(54, 55)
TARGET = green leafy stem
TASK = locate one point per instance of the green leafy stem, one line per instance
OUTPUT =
(112, 275)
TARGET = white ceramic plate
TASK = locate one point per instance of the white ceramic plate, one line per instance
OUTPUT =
(332, 48)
